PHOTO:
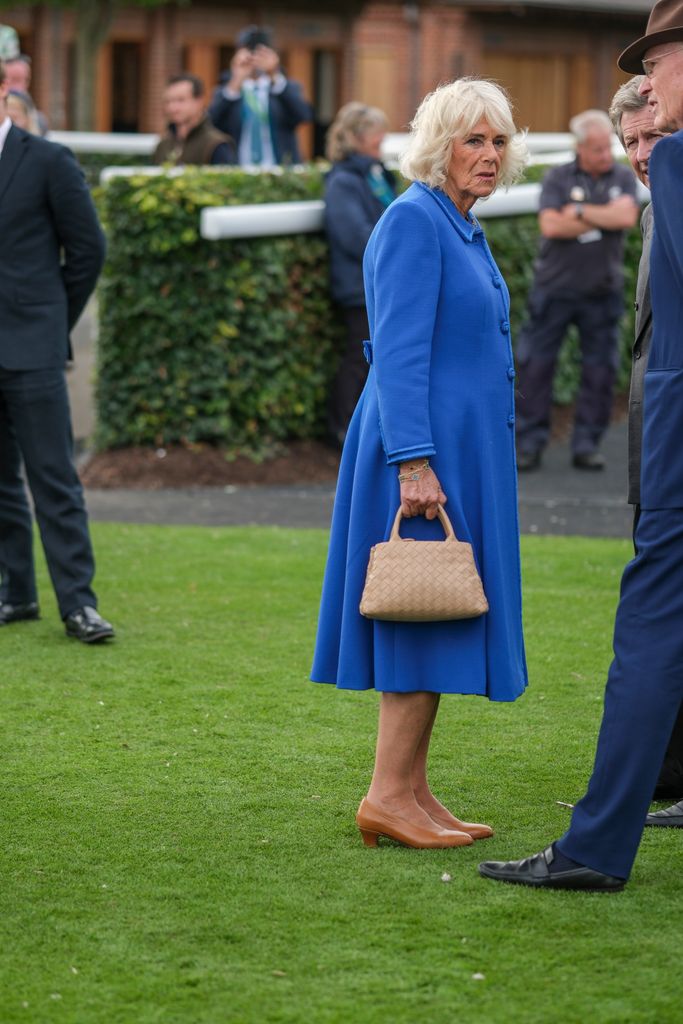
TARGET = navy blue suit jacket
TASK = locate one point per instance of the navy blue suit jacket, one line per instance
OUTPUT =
(662, 466)
(287, 110)
(53, 251)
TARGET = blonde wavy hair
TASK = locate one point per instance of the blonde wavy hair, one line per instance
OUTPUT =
(451, 112)
(353, 120)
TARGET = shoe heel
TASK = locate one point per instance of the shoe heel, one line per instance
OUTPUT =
(369, 838)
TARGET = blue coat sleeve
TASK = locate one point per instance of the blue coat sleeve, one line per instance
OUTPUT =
(404, 273)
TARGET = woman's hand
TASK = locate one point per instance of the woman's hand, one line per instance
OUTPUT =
(422, 496)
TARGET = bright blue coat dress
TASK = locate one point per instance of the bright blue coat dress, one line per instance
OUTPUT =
(441, 384)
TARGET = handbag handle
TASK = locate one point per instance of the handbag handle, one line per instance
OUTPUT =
(443, 519)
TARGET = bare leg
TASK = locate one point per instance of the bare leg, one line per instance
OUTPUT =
(424, 796)
(404, 718)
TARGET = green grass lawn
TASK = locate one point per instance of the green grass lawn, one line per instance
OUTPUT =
(178, 836)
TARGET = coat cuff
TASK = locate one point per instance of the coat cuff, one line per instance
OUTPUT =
(416, 452)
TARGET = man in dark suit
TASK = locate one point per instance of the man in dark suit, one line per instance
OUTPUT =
(633, 120)
(53, 250)
(258, 106)
(645, 682)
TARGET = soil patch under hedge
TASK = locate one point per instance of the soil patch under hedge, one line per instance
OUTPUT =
(207, 466)
(203, 465)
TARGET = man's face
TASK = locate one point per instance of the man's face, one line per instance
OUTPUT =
(182, 108)
(595, 152)
(18, 75)
(663, 85)
(640, 136)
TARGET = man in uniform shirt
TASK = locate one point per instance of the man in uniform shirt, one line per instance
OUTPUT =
(586, 207)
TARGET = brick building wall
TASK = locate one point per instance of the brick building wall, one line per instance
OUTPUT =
(387, 54)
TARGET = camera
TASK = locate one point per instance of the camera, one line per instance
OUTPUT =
(252, 37)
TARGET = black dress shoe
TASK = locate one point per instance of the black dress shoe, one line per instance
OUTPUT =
(18, 612)
(535, 871)
(588, 460)
(670, 817)
(528, 461)
(88, 626)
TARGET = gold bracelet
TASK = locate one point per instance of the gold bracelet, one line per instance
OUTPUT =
(414, 474)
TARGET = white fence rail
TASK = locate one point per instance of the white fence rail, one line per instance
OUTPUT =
(269, 219)
(264, 219)
(131, 143)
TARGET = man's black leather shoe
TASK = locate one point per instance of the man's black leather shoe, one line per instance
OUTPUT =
(88, 626)
(535, 871)
(588, 460)
(18, 612)
(670, 817)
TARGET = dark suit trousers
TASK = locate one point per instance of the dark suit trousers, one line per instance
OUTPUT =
(35, 424)
(642, 700)
(351, 375)
(597, 319)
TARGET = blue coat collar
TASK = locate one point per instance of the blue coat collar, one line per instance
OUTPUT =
(467, 228)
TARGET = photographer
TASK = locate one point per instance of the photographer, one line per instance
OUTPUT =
(258, 106)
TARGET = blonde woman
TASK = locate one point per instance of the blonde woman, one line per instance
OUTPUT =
(435, 422)
(358, 190)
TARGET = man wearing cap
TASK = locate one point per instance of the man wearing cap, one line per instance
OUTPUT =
(645, 681)
(258, 106)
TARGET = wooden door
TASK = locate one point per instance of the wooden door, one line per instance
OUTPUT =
(546, 89)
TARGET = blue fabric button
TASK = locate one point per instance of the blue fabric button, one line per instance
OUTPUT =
(511, 373)
(367, 352)
(505, 326)
(497, 283)
(511, 420)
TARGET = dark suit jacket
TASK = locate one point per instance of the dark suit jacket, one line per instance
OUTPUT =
(52, 251)
(351, 212)
(641, 352)
(661, 479)
(287, 110)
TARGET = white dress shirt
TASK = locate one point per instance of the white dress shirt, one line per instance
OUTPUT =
(4, 128)
(262, 88)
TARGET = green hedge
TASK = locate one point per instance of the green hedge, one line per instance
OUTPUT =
(231, 342)
(234, 342)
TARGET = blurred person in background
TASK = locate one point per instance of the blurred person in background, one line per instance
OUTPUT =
(258, 105)
(435, 422)
(358, 190)
(586, 207)
(18, 75)
(22, 112)
(190, 137)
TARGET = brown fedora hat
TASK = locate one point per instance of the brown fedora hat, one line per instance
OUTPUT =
(665, 23)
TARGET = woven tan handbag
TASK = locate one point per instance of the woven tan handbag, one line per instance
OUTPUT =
(422, 581)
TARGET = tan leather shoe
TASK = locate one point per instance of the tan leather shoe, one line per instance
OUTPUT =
(374, 822)
(471, 828)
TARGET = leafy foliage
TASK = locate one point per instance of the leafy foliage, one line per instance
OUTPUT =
(234, 342)
(231, 342)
